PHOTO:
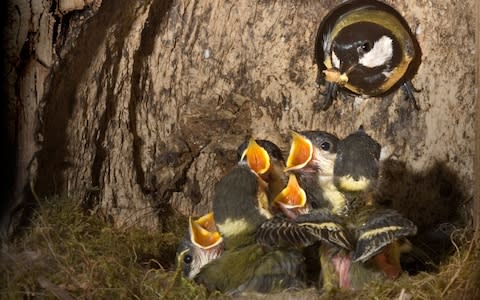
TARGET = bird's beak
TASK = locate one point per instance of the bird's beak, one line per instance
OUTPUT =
(301, 152)
(334, 75)
(292, 197)
(203, 232)
(258, 159)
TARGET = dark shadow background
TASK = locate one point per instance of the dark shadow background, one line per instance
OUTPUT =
(7, 127)
(434, 200)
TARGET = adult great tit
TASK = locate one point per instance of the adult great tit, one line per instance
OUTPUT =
(367, 48)
(240, 206)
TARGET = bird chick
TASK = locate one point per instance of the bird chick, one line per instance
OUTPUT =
(265, 159)
(311, 158)
(240, 206)
(202, 244)
(356, 168)
(358, 243)
(376, 231)
(292, 200)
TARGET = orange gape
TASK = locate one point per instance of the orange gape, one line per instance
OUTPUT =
(292, 195)
(207, 221)
(301, 152)
(204, 237)
(292, 200)
(257, 158)
(204, 231)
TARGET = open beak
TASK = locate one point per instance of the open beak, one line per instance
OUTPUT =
(257, 157)
(292, 199)
(203, 232)
(301, 152)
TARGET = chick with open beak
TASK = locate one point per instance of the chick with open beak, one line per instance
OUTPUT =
(241, 205)
(265, 159)
(358, 243)
(311, 158)
(202, 244)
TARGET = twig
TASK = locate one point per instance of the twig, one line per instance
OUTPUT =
(455, 276)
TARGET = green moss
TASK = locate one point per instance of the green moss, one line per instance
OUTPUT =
(86, 257)
(67, 252)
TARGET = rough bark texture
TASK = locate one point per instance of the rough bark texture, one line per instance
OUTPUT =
(147, 105)
(476, 205)
(28, 48)
(33, 32)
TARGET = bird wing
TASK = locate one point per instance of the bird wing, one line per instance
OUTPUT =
(274, 272)
(325, 226)
(305, 230)
(283, 232)
(381, 228)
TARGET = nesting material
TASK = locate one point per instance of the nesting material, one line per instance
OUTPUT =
(68, 254)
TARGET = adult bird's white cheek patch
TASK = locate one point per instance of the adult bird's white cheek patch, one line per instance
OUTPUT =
(335, 60)
(381, 52)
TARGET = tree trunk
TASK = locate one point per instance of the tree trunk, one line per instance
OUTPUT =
(476, 205)
(150, 99)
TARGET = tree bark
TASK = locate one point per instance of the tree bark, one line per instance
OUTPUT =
(31, 36)
(147, 105)
(29, 56)
(476, 206)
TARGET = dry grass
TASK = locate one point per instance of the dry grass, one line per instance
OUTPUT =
(457, 278)
(69, 255)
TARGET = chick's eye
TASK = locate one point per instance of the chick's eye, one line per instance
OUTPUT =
(187, 259)
(325, 146)
(365, 47)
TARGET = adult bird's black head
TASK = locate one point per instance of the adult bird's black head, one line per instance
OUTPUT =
(367, 48)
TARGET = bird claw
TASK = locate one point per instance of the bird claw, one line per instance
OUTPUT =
(329, 94)
(409, 89)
